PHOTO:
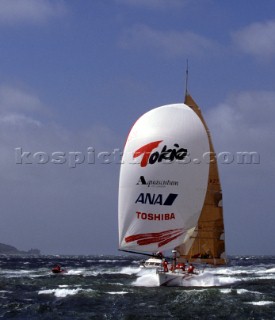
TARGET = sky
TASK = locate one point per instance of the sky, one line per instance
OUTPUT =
(75, 76)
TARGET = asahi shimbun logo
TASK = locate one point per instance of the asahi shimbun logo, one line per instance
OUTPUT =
(166, 154)
(142, 181)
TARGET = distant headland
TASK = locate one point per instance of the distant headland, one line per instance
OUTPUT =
(7, 249)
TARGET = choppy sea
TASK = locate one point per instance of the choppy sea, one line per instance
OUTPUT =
(115, 287)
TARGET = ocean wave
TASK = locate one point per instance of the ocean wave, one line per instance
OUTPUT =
(117, 292)
(146, 280)
(91, 289)
(64, 292)
(129, 270)
(208, 279)
(149, 278)
(244, 291)
(108, 261)
(15, 273)
(260, 303)
(271, 270)
(60, 293)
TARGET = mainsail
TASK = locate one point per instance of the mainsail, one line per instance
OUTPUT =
(169, 189)
(208, 240)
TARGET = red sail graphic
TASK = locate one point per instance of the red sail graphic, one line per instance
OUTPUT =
(161, 238)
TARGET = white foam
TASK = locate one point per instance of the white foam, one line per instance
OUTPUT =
(226, 291)
(260, 303)
(253, 272)
(74, 272)
(263, 277)
(60, 293)
(117, 292)
(97, 271)
(208, 279)
(130, 270)
(243, 291)
(239, 291)
(234, 274)
(5, 291)
(271, 270)
(230, 271)
(15, 273)
(108, 261)
(147, 280)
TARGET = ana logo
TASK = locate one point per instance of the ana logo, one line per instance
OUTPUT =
(164, 154)
(148, 198)
(156, 183)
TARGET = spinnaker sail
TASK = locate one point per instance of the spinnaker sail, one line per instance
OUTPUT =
(164, 178)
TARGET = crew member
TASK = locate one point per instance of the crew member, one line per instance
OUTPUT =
(159, 255)
(191, 268)
(180, 266)
(165, 265)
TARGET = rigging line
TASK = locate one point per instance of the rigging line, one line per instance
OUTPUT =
(141, 253)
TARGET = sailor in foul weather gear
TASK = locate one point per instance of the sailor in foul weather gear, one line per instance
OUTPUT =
(165, 265)
(190, 268)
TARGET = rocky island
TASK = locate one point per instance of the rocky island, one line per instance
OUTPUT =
(7, 249)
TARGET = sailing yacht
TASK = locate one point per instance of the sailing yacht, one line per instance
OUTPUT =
(170, 194)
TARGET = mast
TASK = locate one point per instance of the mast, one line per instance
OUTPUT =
(186, 79)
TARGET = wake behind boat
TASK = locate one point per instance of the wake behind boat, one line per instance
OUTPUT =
(169, 190)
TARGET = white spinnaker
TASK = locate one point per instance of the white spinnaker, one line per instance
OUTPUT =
(160, 201)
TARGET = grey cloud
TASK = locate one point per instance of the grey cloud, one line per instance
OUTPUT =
(154, 4)
(30, 11)
(56, 207)
(167, 43)
(257, 39)
(245, 123)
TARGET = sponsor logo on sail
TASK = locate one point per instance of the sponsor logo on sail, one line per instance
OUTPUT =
(149, 198)
(166, 154)
(156, 183)
(155, 216)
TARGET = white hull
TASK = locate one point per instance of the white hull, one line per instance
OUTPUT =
(174, 279)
